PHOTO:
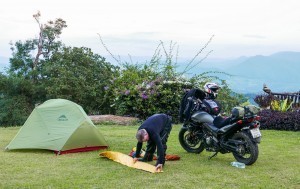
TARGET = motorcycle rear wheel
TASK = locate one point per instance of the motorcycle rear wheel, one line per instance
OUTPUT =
(190, 141)
(248, 152)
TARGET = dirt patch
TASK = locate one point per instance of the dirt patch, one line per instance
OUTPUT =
(113, 119)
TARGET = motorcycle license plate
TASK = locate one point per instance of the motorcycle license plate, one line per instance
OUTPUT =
(255, 133)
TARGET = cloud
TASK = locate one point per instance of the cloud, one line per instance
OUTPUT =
(137, 27)
(255, 36)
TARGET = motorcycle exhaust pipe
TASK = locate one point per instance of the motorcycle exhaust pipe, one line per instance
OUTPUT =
(231, 148)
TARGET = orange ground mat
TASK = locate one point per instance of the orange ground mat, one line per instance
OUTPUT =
(128, 161)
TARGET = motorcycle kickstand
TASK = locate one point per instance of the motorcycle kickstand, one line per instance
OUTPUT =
(215, 154)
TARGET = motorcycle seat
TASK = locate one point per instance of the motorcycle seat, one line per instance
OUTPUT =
(220, 121)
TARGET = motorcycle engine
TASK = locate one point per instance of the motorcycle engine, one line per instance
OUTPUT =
(208, 140)
(211, 142)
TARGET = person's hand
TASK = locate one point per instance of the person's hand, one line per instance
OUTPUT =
(158, 167)
(135, 160)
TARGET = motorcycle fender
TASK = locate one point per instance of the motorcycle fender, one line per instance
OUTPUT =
(257, 140)
(202, 117)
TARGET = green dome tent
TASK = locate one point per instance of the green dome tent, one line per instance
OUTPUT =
(59, 125)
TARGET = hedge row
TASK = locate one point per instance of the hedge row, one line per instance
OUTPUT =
(276, 120)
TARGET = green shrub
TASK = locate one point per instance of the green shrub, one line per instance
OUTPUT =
(14, 111)
(277, 120)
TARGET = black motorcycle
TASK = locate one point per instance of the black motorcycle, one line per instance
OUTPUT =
(238, 134)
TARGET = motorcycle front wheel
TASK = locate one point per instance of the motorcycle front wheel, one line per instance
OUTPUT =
(191, 141)
(248, 151)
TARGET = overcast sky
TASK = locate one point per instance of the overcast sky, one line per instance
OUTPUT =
(135, 27)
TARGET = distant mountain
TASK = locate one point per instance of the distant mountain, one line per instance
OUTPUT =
(279, 66)
(280, 71)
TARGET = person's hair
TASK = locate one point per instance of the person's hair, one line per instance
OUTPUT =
(140, 135)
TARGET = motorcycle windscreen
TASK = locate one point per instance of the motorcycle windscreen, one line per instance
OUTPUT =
(128, 161)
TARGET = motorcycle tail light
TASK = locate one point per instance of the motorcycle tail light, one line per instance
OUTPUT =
(239, 122)
(256, 125)
(257, 118)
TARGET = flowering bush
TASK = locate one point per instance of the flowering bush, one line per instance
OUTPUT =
(141, 92)
(150, 97)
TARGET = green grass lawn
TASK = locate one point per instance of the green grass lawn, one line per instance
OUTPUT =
(278, 165)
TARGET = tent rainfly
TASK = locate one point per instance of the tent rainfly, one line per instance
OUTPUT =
(59, 125)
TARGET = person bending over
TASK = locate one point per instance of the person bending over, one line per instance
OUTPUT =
(155, 131)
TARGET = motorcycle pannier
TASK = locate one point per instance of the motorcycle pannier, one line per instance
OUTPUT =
(237, 112)
(251, 110)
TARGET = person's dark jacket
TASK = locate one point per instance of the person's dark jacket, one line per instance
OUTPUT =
(194, 93)
(154, 125)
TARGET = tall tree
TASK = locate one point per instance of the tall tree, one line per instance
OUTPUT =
(28, 56)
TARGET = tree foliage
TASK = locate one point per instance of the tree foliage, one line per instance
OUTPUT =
(79, 75)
